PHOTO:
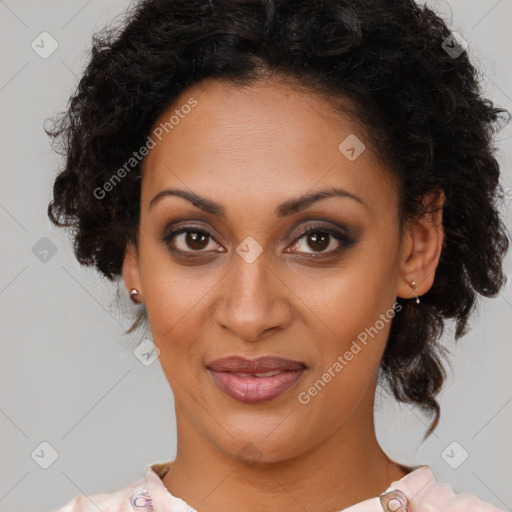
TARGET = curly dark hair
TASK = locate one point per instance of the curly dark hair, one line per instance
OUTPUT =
(421, 108)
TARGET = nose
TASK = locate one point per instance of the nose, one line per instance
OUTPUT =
(254, 299)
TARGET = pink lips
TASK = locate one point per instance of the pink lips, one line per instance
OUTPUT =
(238, 378)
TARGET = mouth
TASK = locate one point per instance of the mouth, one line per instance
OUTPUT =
(255, 380)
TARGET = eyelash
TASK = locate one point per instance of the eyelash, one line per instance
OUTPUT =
(343, 239)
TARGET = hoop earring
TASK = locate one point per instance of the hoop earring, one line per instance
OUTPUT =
(133, 294)
(412, 284)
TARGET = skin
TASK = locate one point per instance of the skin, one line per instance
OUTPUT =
(250, 149)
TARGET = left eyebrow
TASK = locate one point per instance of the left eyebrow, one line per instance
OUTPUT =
(302, 202)
(285, 209)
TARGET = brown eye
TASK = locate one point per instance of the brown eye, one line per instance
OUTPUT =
(187, 240)
(321, 240)
(195, 240)
(318, 241)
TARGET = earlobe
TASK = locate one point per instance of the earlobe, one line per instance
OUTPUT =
(131, 274)
(422, 250)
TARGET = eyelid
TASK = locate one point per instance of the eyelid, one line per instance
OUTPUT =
(177, 225)
(321, 224)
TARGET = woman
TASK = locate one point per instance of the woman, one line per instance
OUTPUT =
(298, 195)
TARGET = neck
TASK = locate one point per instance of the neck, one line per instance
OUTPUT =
(347, 467)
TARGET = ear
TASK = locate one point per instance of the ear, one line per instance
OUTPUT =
(131, 273)
(421, 247)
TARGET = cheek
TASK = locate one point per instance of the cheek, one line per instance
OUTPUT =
(349, 351)
(354, 311)
(350, 330)
(349, 299)
(175, 308)
(174, 298)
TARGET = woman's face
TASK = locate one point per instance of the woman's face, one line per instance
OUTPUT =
(246, 282)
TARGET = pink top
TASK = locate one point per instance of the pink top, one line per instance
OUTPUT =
(417, 491)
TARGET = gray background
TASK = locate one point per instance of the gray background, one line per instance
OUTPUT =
(67, 376)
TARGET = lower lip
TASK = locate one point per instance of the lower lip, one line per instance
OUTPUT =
(254, 390)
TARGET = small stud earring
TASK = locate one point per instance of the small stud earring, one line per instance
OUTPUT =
(412, 284)
(133, 293)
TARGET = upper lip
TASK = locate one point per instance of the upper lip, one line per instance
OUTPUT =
(262, 364)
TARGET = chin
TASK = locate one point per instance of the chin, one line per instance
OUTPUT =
(261, 443)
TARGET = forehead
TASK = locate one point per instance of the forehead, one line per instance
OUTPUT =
(265, 142)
